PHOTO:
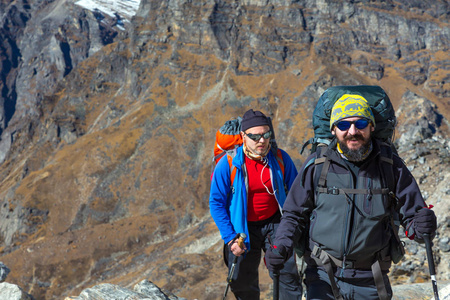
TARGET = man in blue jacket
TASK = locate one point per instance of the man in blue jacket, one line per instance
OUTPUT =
(251, 203)
(346, 203)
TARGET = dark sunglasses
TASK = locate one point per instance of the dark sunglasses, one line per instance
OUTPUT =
(257, 137)
(359, 124)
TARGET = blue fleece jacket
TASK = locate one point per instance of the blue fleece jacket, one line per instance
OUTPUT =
(228, 206)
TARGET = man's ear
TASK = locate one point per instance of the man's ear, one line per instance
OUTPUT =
(242, 136)
(333, 131)
(372, 128)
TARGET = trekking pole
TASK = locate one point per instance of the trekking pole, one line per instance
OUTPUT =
(242, 237)
(276, 276)
(276, 285)
(428, 245)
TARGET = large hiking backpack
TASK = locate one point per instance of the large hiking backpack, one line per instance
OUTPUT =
(378, 101)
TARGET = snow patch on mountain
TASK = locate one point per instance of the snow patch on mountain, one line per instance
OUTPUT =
(121, 9)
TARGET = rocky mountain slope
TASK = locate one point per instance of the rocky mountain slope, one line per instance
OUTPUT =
(108, 121)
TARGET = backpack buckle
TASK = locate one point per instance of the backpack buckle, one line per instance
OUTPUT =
(316, 251)
(333, 191)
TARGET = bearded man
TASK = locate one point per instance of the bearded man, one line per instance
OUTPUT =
(346, 200)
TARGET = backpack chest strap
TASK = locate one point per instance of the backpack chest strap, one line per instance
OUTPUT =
(337, 191)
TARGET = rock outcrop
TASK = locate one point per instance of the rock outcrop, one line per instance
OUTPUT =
(13, 292)
(107, 125)
(143, 290)
(418, 291)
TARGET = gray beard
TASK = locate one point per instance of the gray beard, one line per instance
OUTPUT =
(356, 155)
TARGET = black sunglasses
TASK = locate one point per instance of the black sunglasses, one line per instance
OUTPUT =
(359, 124)
(257, 137)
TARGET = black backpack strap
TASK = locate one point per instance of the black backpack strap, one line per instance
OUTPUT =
(322, 165)
(319, 161)
(387, 167)
(273, 140)
(379, 282)
(324, 260)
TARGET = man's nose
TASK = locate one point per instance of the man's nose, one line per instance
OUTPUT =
(352, 130)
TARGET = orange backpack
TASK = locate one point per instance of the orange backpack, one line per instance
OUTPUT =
(228, 138)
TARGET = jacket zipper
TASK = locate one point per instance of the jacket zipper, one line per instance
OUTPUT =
(346, 239)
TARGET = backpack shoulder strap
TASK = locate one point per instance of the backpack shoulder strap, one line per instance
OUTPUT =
(281, 164)
(280, 160)
(387, 166)
(318, 162)
(232, 168)
(322, 165)
(215, 160)
(306, 166)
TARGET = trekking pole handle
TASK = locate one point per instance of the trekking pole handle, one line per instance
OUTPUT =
(242, 237)
(428, 245)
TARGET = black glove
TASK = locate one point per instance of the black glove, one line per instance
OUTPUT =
(274, 259)
(425, 223)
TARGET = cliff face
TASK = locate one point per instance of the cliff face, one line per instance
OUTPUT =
(108, 123)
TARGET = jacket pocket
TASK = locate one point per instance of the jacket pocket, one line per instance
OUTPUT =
(372, 205)
(327, 230)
